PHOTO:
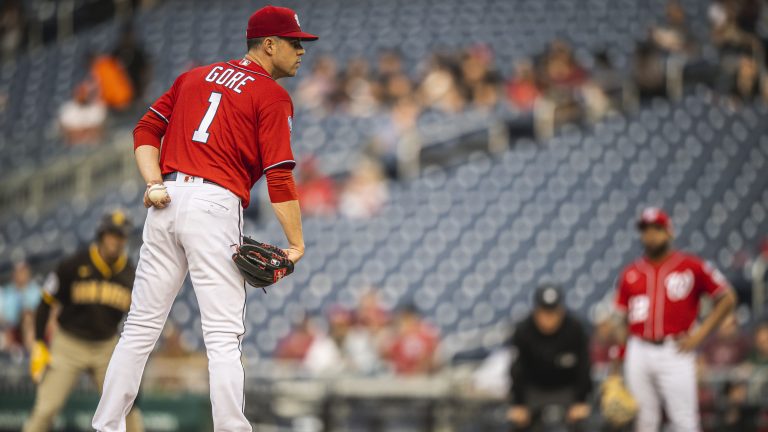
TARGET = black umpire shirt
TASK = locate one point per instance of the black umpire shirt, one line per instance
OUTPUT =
(94, 296)
(551, 362)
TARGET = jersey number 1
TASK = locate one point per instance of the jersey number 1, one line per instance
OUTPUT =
(201, 134)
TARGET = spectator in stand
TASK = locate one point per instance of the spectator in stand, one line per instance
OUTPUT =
(357, 90)
(13, 25)
(397, 125)
(369, 334)
(603, 93)
(479, 78)
(746, 85)
(134, 60)
(732, 43)
(414, 343)
(649, 72)
(744, 13)
(370, 313)
(674, 37)
(561, 70)
(757, 361)
(394, 88)
(727, 348)
(316, 190)
(552, 365)
(18, 302)
(365, 191)
(440, 87)
(325, 355)
(758, 358)
(522, 90)
(563, 81)
(390, 63)
(82, 119)
(486, 94)
(113, 83)
(605, 344)
(316, 89)
(737, 414)
(295, 345)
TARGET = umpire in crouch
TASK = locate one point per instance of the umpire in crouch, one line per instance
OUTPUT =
(551, 373)
(91, 291)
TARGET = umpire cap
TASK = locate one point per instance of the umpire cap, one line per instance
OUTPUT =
(115, 223)
(548, 296)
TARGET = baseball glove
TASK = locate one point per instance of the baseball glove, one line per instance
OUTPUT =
(261, 264)
(617, 404)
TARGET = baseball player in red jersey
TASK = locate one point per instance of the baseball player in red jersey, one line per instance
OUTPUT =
(658, 296)
(222, 127)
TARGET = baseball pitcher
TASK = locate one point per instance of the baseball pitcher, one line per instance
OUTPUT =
(223, 126)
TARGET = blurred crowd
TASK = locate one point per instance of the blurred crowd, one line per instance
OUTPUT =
(30, 23)
(566, 89)
(366, 341)
(455, 81)
(739, 71)
(452, 83)
(113, 83)
(360, 195)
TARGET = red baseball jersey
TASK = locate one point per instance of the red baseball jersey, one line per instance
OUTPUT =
(662, 298)
(227, 122)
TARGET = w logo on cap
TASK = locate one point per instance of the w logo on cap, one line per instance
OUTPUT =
(650, 214)
(296, 17)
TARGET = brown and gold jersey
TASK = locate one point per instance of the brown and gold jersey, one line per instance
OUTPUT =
(94, 296)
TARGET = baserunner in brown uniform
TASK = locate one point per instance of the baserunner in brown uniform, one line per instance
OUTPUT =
(91, 290)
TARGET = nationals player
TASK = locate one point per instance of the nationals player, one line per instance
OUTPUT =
(223, 126)
(659, 297)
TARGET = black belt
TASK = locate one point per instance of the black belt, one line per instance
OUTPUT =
(172, 177)
(662, 340)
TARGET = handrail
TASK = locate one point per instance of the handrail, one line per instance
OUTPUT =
(77, 175)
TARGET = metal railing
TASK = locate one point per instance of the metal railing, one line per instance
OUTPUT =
(77, 175)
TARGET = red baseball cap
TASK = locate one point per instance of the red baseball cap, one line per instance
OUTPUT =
(654, 216)
(276, 21)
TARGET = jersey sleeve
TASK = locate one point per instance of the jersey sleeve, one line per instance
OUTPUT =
(163, 106)
(152, 126)
(621, 301)
(274, 128)
(710, 280)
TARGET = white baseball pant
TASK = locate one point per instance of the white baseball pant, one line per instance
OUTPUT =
(660, 374)
(194, 233)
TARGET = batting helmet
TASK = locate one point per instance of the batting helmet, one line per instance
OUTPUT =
(114, 222)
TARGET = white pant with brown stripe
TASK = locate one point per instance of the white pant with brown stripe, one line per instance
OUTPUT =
(661, 375)
(194, 233)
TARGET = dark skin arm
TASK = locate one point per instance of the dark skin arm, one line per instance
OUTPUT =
(724, 305)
